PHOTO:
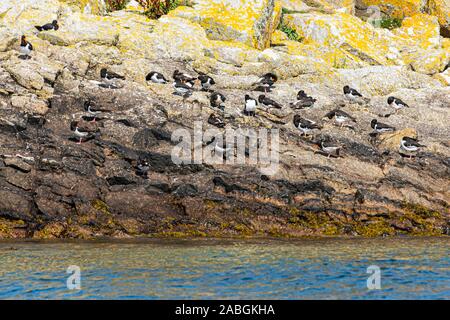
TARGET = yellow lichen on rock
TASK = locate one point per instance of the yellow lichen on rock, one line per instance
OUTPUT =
(342, 32)
(88, 6)
(397, 8)
(422, 44)
(329, 6)
(230, 52)
(441, 9)
(423, 29)
(250, 22)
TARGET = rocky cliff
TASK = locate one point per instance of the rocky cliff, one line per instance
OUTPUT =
(52, 187)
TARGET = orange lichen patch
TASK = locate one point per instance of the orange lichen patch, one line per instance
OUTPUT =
(337, 32)
(397, 8)
(423, 29)
(250, 22)
(441, 9)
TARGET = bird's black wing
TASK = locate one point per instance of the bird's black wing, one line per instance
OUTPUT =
(344, 114)
(331, 114)
(47, 26)
(271, 102)
(115, 75)
(412, 142)
(399, 101)
(384, 126)
(203, 78)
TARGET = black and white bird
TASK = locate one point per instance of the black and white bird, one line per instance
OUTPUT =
(206, 82)
(49, 26)
(93, 110)
(142, 168)
(250, 106)
(381, 127)
(109, 75)
(183, 77)
(220, 147)
(156, 77)
(25, 47)
(182, 89)
(330, 147)
(304, 125)
(269, 102)
(396, 103)
(351, 93)
(410, 146)
(303, 101)
(216, 121)
(340, 116)
(217, 100)
(80, 133)
(266, 82)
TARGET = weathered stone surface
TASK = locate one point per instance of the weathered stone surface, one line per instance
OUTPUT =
(441, 9)
(30, 104)
(344, 41)
(408, 8)
(123, 181)
(396, 8)
(251, 22)
(88, 6)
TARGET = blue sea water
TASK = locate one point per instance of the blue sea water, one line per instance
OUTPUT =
(411, 268)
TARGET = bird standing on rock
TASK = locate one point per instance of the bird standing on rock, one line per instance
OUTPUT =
(396, 103)
(304, 125)
(25, 47)
(142, 168)
(329, 147)
(183, 78)
(410, 146)
(109, 79)
(351, 93)
(93, 111)
(303, 101)
(182, 89)
(49, 26)
(80, 133)
(156, 77)
(206, 82)
(109, 75)
(266, 82)
(250, 106)
(340, 116)
(380, 127)
(269, 102)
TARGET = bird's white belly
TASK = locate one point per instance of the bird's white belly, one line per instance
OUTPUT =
(81, 134)
(397, 106)
(409, 148)
(181, 90)
(250, 106)
(25, 50)
(330, 149)
(156, 79)
(303, 129)
(340, 119)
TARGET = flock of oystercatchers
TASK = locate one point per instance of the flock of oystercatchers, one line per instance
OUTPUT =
(184, 85)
